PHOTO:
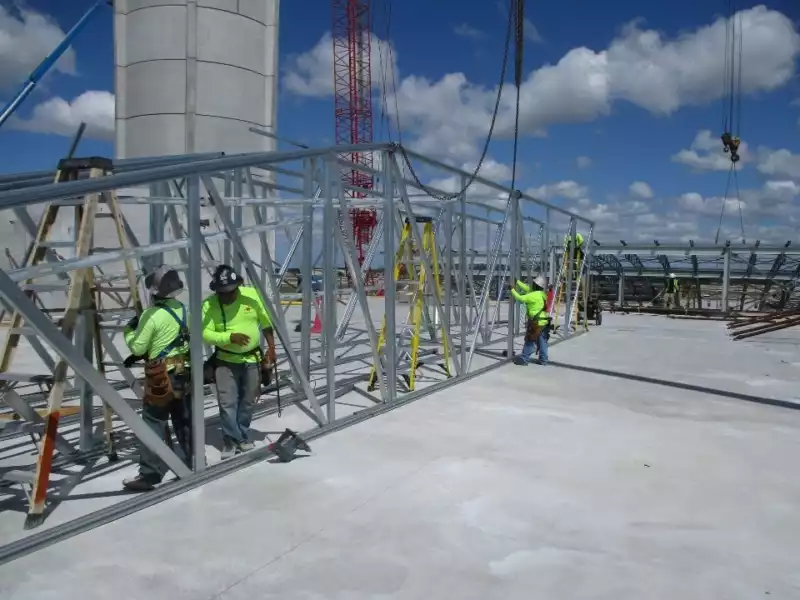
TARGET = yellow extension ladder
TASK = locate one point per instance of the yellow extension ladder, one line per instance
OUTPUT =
(561, 285)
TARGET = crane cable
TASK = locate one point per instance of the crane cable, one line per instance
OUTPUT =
(732, 105)
(514, 12)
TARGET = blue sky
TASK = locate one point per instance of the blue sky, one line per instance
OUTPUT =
(629, 128)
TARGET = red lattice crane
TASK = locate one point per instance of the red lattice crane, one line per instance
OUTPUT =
(352, 82)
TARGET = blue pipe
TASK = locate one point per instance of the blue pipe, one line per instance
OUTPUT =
(47, 64)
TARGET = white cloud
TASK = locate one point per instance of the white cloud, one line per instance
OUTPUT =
(449, 116)
(779, 163)
(641, 190)
(583, 162)
(26, 38)
(311, 73)
(62, 117)
(705, 153)
(468, 31)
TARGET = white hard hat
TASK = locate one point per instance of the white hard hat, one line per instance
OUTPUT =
(672, 275)
(540, 281)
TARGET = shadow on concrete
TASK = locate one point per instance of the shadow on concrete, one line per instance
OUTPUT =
(682, 386)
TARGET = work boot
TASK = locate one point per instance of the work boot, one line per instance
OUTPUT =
(246, 446)
(140, 483)
(228, 451)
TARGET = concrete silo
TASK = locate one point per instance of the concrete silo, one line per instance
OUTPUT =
(194, 76)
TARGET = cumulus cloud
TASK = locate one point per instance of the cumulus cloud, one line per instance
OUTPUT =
(62, 117)
(26, 38)
(311, 73)
(705, 153)
(779, 163)
(583, 162)
(640, 189)
(641, 66)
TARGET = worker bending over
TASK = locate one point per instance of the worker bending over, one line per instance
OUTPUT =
(578, 247)
(234, 318)
(535, 301)
(161, 337)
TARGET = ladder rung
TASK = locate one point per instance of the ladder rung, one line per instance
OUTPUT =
(56, 244)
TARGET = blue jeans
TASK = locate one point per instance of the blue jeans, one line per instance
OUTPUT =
(238, 389)
(530, 346)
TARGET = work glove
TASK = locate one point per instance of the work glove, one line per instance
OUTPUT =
(133, 323)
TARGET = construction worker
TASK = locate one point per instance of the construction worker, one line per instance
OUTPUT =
(161, 337)
(578, 247)
(672, 292)
(234, 318)
(536, 331)
(730, 145)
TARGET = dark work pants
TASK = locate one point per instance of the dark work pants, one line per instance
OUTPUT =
(179, 411)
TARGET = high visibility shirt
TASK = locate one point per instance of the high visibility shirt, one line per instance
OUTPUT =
(672, 286)
(158, 329)
(246, 315)
(578, 240)
(535, 302)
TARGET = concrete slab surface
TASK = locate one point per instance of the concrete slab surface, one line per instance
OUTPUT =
(525, 483)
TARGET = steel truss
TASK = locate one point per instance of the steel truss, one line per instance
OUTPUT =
(198, 202)
(731, 277)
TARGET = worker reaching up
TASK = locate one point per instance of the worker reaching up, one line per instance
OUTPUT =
(234, 318)
(535, 301)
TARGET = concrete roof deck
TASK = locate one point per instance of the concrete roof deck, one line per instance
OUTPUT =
(524, 483)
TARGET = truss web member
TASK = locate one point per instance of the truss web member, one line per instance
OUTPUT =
(535, 301)
(161, 337)
(234, 318)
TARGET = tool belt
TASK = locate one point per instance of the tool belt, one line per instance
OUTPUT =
(534, 329)
(158, 388)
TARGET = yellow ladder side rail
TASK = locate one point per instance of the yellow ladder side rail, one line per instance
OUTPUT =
(437, 279)
(398, 262)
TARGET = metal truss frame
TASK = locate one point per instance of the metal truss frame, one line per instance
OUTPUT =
(301, 193)
(753, 273)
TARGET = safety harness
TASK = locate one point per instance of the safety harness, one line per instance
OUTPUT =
(183, 333)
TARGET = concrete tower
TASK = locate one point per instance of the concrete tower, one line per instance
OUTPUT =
(194, 75)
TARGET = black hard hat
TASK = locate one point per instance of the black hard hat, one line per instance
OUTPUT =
(164, 282)
(225, 279)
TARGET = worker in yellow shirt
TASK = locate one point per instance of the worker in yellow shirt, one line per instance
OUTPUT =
(536, 334)
(578, 247)
(161, 337)
(234, 318)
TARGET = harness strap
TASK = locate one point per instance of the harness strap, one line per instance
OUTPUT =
(183, 333)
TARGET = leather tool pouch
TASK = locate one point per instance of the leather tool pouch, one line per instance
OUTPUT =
(158, 389)
(532, 331)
